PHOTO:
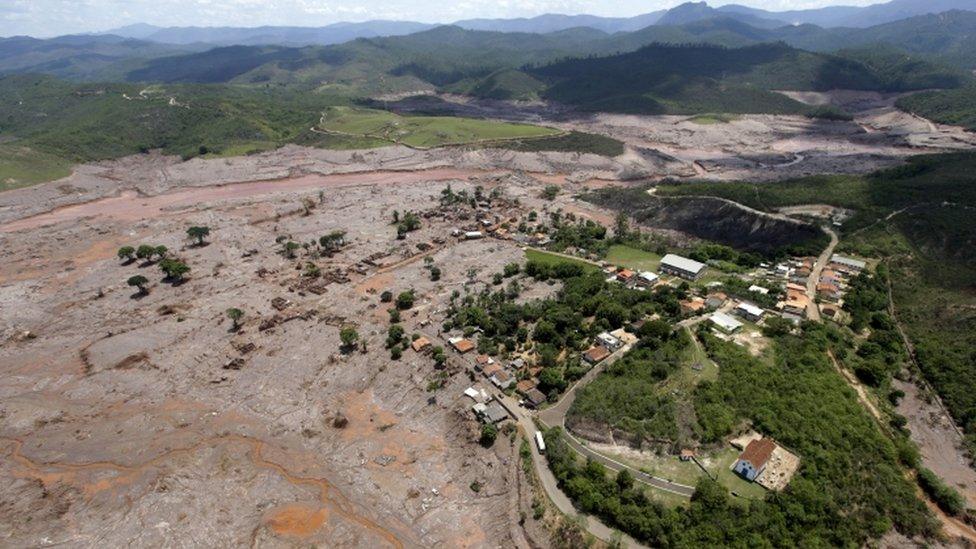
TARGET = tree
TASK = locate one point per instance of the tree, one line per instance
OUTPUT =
(332, 242)
(625, 480)
(405, 300)
(550, 192)
(145, 252)
(235, 315)
(435, 273)
(439, 356)
(394, 335)
(386, 296)
(349, 336)
(621, 226)
(127, 253)
(290, 248)
(198, 233)
(175, 270)
(488, 435)
(140, 282)
(161, 251)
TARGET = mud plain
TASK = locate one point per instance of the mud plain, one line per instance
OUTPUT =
(148, 421)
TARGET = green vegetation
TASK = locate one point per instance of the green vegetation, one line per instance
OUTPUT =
(628, 397)
(846, 492)
(22, 166)
(488, 435)
(948, 499)
(348, 336)
(140, 282)
(633, 258)
(235, 315)
(546, 260)
(708, 119)
(175, 270)
(572, 142)
(199, 234)
(423, 131)
(956, 107)
(694, 79)
(83, 122)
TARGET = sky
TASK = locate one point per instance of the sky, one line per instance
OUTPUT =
(45, 18)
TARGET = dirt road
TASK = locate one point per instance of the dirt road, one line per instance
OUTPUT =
(813, 311)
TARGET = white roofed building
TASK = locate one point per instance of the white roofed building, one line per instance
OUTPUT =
(682, 267)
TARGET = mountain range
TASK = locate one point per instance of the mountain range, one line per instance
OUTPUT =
(835, 16)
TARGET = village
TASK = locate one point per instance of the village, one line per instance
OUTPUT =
(794, 289)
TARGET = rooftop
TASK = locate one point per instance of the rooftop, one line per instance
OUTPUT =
(682, 263)
(758, 451)
(725, 322)
(848, 262)
(596, 354)
(750, 309)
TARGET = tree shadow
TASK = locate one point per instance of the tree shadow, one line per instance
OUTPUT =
(139, 295)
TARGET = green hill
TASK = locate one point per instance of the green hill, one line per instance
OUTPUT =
(957, 107)
(661, 79)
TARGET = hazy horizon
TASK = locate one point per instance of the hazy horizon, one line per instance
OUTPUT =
(46, 18)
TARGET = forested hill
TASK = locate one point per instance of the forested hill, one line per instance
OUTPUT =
(661, 79)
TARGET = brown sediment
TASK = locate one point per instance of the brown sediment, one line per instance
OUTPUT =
(297, 520)
(59, 472)
(130, 206)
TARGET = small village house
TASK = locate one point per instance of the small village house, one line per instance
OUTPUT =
(753, 459)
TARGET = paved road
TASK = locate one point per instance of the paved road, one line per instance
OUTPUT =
(549, 483)
(813, 311)
(555, 416)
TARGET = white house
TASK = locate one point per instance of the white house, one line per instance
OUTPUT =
(749, 312)
(752, 461)
(725, 323)
(609, 341)
(647, 279)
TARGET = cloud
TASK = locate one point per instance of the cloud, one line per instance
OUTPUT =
(54, 17)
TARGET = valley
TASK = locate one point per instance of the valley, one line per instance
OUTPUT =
(699, 277)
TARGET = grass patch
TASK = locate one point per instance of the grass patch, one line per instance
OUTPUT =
(633, 258)
(572, 142)
(22, 166)
(553, 259)
(713, 118)
(424, 131)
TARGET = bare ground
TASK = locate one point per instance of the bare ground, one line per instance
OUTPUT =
(147, 419)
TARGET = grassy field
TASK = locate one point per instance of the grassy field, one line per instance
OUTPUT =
(633, 258)
(553, 259)
(572, 142)
(424, 131)
(22, 166)
(712, 118)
